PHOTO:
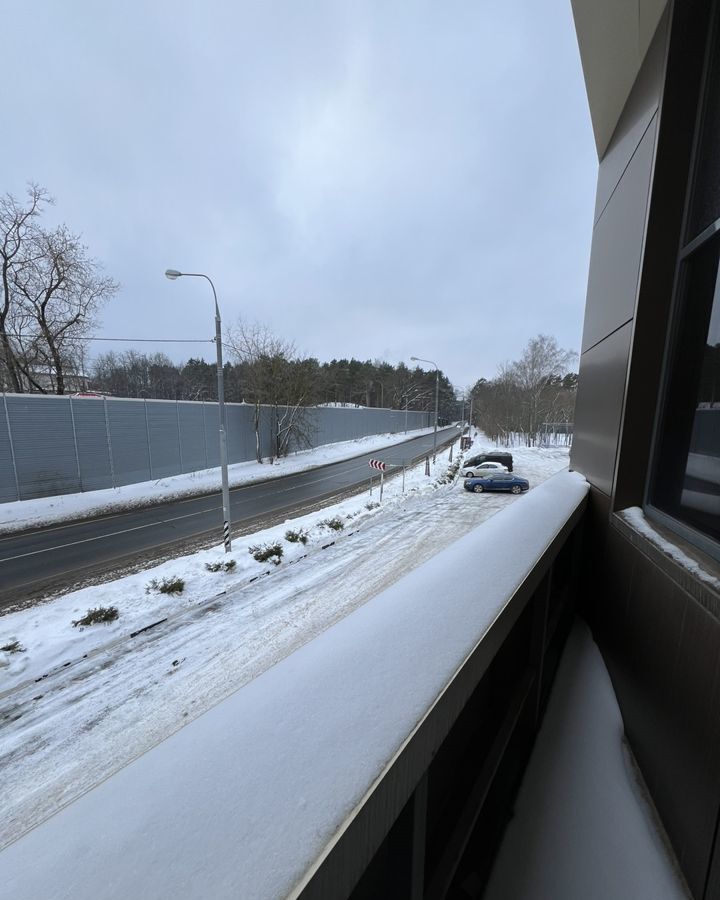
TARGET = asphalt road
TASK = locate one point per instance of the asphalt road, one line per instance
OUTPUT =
(44, 560)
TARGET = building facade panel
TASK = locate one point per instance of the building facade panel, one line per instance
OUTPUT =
(641, 106)
(617, 248)
(656, 619)
(599, 403)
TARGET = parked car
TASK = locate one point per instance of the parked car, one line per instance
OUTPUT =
(498, 482)
(485, 468)
(499, 456)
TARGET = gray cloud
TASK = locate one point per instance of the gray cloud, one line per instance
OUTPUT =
(369, 179)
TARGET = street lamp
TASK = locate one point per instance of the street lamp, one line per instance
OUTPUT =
(172, 274)
(437, 377)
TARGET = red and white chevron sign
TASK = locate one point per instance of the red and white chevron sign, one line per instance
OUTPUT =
(377, 464)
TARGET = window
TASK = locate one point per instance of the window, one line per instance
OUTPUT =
(685, 483)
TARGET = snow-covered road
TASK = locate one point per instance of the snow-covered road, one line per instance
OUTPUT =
(63, 734)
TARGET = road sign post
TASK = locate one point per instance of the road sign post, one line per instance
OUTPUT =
(380, 466)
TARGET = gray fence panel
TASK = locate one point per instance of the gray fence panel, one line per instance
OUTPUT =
(92, 443)
(240, 432)
(44, 445)
(192, 436)
(140, 440)
(8, 479)
(129, 438)
(212, 440)
(162, 423)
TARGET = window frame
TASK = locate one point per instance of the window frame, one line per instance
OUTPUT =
(686, 248)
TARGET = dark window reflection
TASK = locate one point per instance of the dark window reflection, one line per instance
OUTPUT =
(705, 206)
(686, 482)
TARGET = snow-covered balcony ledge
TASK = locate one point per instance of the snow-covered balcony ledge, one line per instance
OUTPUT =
(370, 750)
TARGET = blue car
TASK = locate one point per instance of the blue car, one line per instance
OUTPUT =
(497, 482)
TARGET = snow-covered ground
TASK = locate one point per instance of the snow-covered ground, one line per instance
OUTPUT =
(244, 800)
(23, 514)
(78, 704)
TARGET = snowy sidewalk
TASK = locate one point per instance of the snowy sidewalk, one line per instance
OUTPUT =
(583, 827)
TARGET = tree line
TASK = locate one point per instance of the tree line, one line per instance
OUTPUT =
(530, 398)
(276, 377)
(268, 373)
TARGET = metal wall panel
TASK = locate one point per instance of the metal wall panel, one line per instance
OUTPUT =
(164, 438)
(210, 426)
(122, 441)
(662, 649)
(8, 478)
(92, 443)
(240, 431)
(129, 437)
(44, 445)
(192, 436)
(601, 388)
(617, 248)
(641, 106)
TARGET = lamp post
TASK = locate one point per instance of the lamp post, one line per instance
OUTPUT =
(437, 377)
(172, 274)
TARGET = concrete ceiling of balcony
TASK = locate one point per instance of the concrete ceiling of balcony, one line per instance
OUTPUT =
(614, 36)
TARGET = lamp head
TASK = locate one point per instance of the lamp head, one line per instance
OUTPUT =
(172, 274)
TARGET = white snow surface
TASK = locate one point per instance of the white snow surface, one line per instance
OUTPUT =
(582, 824)
(22, 514)
(244, 798)
(634, 516)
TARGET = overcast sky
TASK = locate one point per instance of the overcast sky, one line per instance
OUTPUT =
(369, 179)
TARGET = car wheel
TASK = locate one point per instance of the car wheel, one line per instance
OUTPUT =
(478, 488)
(516, 489)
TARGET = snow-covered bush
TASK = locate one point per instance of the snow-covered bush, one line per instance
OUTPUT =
(265, 552)
(221, 566)
(294, 537)
(335, 524)
(100, 614)
(173, 584)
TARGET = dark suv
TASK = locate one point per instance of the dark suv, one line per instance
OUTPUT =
(499, 457)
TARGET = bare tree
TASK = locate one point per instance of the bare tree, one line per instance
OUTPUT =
(273, 375)
(542, 361)
(527, 393)
(17, 226)
(52, 293)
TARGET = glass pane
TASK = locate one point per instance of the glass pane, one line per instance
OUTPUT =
(686, 481)
(705, 207)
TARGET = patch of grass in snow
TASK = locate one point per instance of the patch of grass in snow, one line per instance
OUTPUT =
(13, 647)
(173, 584)
(98, 615)
(294, 537)
(335, 524)
(265, 552)
(221, 566)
